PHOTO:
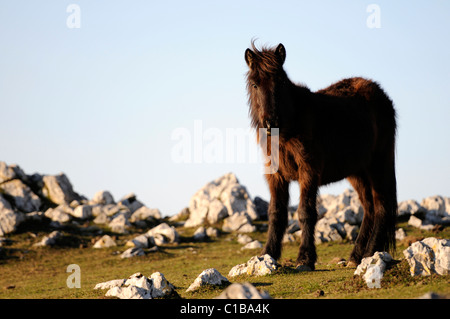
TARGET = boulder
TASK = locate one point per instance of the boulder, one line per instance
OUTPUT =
(49, 240)
(141, 241)
(105, 242)
(62, 213)
(200, 234)
(329, 229)
(10, 172)
(208, 277)
(22, 196)
(218, 199)
(372, 268)
(58, 189)
(82, 211)
(428, 256)
(119, 224)
(256, 266)
(9, 219)
(132, 252)
(145, 214)
(131, 202)
(138, 286)
(169, 233)
(244, 239)
(253, 245)
(238, 222)
(411, 207)
(103, 198)
(243, 291)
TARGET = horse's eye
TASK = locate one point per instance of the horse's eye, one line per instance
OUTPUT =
(255, 86)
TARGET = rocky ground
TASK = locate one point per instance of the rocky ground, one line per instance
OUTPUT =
(221, 206)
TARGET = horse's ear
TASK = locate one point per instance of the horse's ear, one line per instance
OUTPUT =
(281, 53)
(249, 57)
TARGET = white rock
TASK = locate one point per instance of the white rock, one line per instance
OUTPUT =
(119, 224)
(410, 207)
(105, 242)
(218, 199)
(418, 223)
(9, 219)
(9, 172)
(256, 266)
(58, 189)
(428, 256)
(238, 222)
(243, 291)
(253, 245)
(141, 241)
(137, 286)
(131, 202)
(244, 239)
(372, 268)
(208, 277)
(24, 198)
(83, 212)
(211, 232)
(49, 240)
(110, 284)
(145, 213)
(132, 252)
(103, 198)
(400, 234)
(200, 234)
(169, 233)
(61, 213)
(435, 205)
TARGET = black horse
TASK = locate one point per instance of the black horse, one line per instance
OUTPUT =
(346, 130)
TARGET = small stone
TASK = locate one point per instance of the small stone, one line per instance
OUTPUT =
(208, 277)
(105, 242)
(256, 266)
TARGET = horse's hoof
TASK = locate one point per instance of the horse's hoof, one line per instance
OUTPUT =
(304, 268)
(351, 264)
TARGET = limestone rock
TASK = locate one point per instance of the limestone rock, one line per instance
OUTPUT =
(218, 199)
(243, 291)
(83, 211)
(138, 286)
(238, 222)
(208, 277)
(61, 214)
(23, 197)
(169, 233)
(256, 266)
(144, 213)
(132, 252)
(253, 245)
(49, 240)
(10, 172)
(9, 219)
(105, 242)
(428, 256)
(372, 268)
(103, 198)
(58, 189)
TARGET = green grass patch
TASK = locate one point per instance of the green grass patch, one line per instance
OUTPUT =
(40, 272)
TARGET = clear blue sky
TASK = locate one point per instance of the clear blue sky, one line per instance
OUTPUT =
(101, 102)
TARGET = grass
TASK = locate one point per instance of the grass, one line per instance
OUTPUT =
(32, 272)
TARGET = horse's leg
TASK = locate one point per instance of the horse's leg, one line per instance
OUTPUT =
(307, 216)
(278, 214)
(362, 186)
(384, 194)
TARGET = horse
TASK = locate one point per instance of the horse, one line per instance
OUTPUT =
(346, 130)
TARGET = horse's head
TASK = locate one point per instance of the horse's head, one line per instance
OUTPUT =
(266, 82)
